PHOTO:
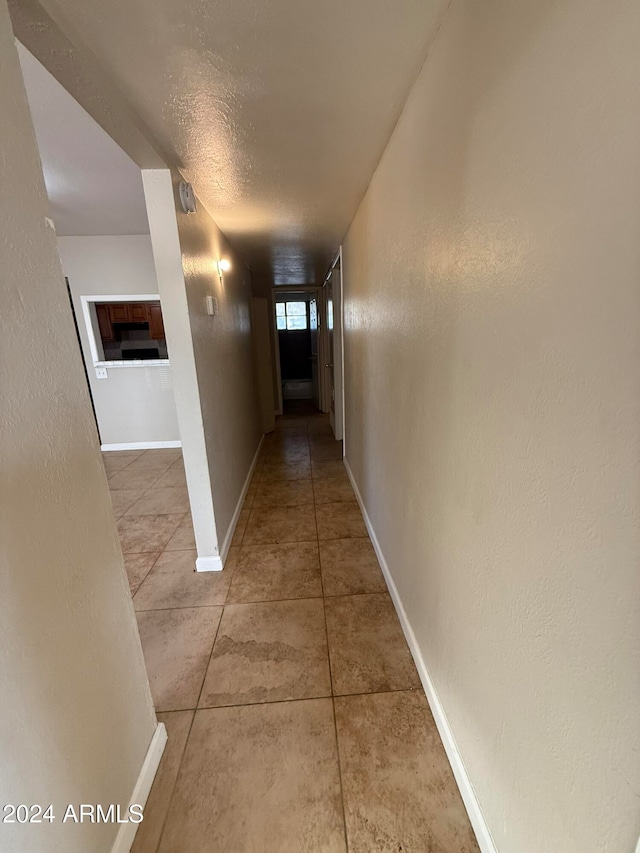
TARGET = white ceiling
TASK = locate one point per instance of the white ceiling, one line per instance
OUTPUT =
(276, 110)
(94, 188)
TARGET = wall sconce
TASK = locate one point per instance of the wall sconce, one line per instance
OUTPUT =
(223, 266)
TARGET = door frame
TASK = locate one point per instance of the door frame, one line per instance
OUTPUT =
(318, 330)
(286, 289)
(84, 361)
(341, 318)
(338, 343)
(323, 351)
(276, 351)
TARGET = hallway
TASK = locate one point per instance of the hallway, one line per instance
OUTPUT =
(291, 700)
(457, 184)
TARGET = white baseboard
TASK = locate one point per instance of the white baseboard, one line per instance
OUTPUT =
(216, 563)
(236, 515)
(127, 831)
(478, 822)
(209, 564)
(141, 445)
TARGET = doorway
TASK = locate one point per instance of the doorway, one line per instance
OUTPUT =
(332, 365)
(98, 212)
(296, 318)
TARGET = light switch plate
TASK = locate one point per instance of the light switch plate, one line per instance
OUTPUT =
(212, 306)
(101, 373)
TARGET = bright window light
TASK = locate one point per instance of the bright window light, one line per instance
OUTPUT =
(291, 316)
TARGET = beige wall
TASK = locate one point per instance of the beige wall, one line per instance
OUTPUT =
(76, 714)
(224, 359)
(135, 403)
(493, 408)
(261, 325)
(167, 255)
(211, 357)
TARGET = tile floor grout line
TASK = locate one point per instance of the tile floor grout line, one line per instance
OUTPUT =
(175, 781)
(163, 551)
(333, 704)
(299, 699)
(344, 808)
(277, 542)
(172, 551)
(193, 715)
(133, 596)
(161, 474)
(240, 543)
(180, 607)
(213, 644)
(298, 541)
(228, 603)
(296, 598)
(102, 452)
(195, 711)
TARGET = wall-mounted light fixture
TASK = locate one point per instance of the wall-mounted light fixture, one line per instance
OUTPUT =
(223, 266)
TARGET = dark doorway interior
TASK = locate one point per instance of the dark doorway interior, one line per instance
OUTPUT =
(297, 324)
(295, 355)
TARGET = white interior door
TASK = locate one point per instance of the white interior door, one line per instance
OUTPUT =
(330, 364)
(323, 349)
(334, 362)
(315, 373)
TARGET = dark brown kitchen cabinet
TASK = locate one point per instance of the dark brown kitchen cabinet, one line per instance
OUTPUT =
(104, 322)
(111, 314)
(120, 312)
(156, 325)
(139, 312)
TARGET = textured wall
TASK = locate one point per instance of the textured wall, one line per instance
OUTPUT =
(135, 404)
(493, 415)
(76, 713)
(167, 256)
(211, 357)
(224, 359)
(261, 324)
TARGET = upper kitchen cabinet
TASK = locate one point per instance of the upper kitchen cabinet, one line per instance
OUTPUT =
(131, 331)
(104, 323)
(156, 324)
(120, 312)
(139, 312)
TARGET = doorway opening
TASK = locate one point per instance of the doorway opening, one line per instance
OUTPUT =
(99, 216)
(296, 321)
(332, 374)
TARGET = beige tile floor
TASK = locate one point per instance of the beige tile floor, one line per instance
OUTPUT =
(295, 714)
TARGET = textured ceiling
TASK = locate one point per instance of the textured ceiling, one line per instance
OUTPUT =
(93, 187)
(276, 110)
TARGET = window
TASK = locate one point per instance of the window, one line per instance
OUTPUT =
(125, 333)
(291, 316)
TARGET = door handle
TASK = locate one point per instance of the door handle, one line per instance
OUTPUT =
(328, 365)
